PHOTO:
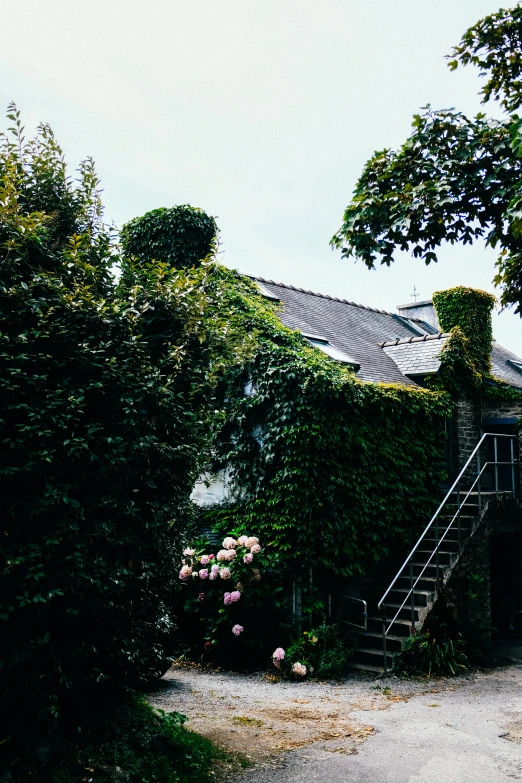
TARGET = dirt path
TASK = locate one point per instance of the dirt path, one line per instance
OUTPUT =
(365, 731)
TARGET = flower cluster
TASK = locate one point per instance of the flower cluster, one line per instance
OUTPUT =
(228, 563)
(277, 656)
(299, 669)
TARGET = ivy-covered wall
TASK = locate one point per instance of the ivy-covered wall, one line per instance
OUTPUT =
(469, 310)
(328, 470)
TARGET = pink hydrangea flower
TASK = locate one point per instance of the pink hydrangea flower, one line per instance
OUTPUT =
(185, 572)
(231, 553)
(255, 549)
(227, 599)
(225, 573)
(242, 540)
(203, 574)
(229, 543)
(248, 558)
(278, 654)
(235, 596)
(299, 669)
(222, 554)
(182, 576)
(204, 559)
(251, 541)
(237, 629)
(211, 557)
(214, 571)
(189, 552)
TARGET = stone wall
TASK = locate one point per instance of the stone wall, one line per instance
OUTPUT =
(468, 591)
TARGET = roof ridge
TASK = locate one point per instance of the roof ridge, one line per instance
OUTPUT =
(407, 340)
(322, 296)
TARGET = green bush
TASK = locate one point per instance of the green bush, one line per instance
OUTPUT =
(324, 651)
(106, 396)
(427, 654)
(236, 619)
(180, 236)
(135, 743)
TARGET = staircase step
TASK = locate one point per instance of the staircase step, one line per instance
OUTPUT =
(401, 627)
(374, 639)
(366, 667)
(373, 656)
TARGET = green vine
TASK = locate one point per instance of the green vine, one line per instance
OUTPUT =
(328, 470)
(457, 373)
(470, 310)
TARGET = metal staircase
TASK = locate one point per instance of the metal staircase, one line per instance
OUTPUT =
(491, 469)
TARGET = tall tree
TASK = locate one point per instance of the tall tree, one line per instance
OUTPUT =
(106, 392)
(455, 179)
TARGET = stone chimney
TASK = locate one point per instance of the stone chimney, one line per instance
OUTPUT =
(423, 310)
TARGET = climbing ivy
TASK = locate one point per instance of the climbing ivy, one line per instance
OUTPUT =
(457, 373)
(328, 470)
(469, 309)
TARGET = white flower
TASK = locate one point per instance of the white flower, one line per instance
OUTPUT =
(229, 543)
(252, 541)
(186, 570)
(242, 540)
(189, 552)
(222, 554)
(225, 573)
(299, 669)
(231, 553)
(254, 550)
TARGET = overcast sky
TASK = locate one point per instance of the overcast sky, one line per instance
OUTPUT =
(261, 112)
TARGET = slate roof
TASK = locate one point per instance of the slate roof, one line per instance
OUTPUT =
(418, 356)
(388, 347)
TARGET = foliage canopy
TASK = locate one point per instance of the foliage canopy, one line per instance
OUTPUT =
(455, 179)
(106, 390)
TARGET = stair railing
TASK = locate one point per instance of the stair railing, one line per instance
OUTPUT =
(433, 526)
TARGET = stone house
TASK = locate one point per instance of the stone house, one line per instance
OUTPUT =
(477, 536)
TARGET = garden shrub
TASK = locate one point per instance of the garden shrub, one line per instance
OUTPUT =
(323, 652)
(232, 602)
(438, 649)
(136, 743)
(106, 399)
(181, 236)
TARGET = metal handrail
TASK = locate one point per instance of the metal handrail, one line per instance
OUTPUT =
(434, 519)
(364, 626)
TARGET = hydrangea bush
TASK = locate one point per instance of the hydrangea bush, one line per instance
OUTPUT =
(322, 652)
(231, 600)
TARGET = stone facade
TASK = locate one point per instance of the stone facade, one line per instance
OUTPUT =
(469, 590)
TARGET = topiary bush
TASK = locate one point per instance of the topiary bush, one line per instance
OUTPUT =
(180, 236)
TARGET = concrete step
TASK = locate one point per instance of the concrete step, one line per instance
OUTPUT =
(401, 627)
(366, 667)
(373, 639)
(373, 657)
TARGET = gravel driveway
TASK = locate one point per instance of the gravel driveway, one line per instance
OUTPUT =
(462, 730)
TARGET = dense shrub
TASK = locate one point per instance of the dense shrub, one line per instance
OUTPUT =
(324, 651)
(233, 608)
(136, 743)
(180, 236)
(105, 396)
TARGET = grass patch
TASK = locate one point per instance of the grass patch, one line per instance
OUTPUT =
(244, 721)
(139, 745)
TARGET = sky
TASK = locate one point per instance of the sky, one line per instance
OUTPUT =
(262, 113)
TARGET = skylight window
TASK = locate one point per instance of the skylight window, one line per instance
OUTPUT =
(516, 365)
(266, 293)
(330, 350)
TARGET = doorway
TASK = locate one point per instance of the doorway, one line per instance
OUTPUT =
(506, 585)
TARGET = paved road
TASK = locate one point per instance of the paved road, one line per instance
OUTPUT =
(470, 735)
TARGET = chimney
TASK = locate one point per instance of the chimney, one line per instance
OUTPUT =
(423, 310)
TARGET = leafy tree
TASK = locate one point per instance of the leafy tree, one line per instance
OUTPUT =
(455, 179)
(106, 391)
